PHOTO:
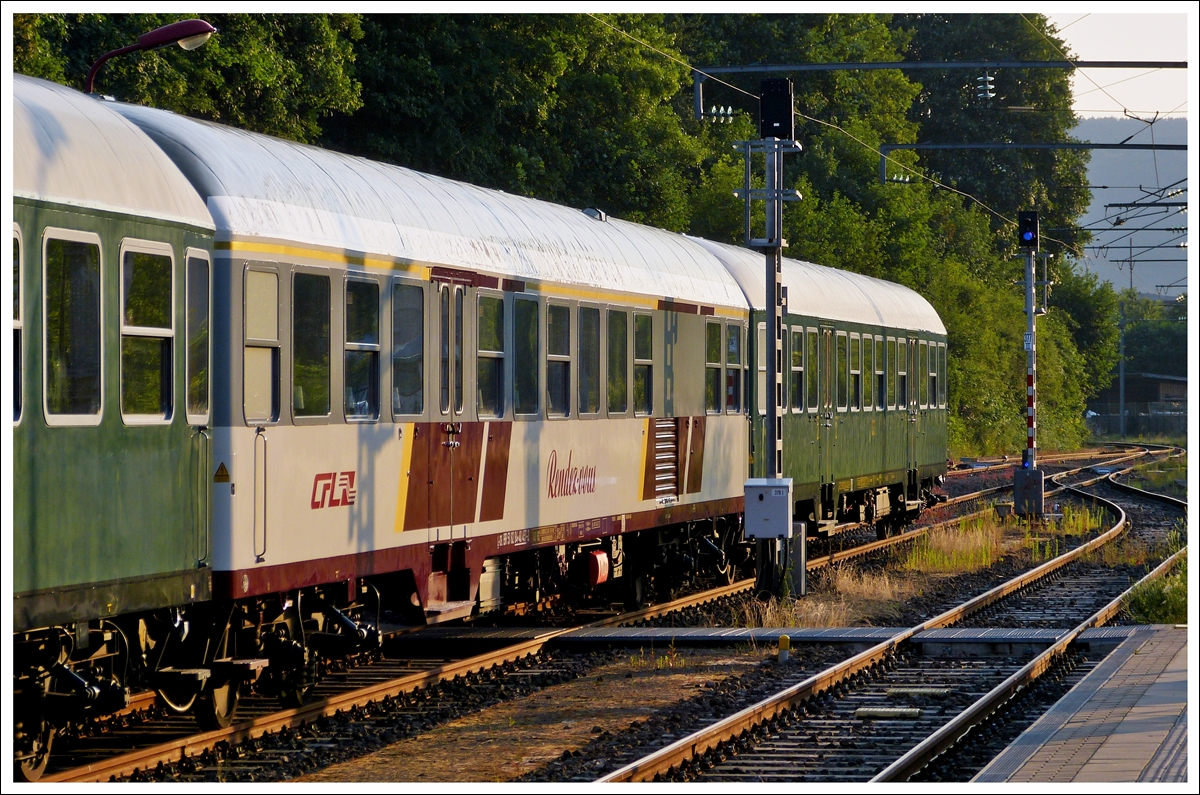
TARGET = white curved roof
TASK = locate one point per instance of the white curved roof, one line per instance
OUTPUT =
(72, 148)
(257, 186)
(831, 294)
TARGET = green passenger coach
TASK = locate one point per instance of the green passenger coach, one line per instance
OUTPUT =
(864, 392)
(111, 285)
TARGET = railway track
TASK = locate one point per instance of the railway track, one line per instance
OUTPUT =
(137, 742)
(885, 713)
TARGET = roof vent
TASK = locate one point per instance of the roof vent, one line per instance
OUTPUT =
(599, 215)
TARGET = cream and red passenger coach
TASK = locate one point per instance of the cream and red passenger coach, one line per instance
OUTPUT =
(418, 375)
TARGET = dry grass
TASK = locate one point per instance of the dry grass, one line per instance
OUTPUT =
(809, 611)
(974, 544)
(842, 596)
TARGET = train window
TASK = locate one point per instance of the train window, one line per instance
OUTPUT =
(408, 349)
(18, 327)
(733, 368)
(618, 362)
(880, 376)
(72, 322)
(147, 333)
(198, 349)
(855, 372)
(490, 363)
(843, 371)
(713, 399)
(362, 351)
(868, 373)
(942, 374)
(902, 374)
(444, 304)
(923, 372)
(813, 370)
(797, 383)
(761, 369)
(589, 360)
(260, 378)
(458, 350)
(892, 372)
(310, 345)
(525, 356)
(558, 360)
(643, 365)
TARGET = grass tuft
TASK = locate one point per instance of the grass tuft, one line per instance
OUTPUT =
(974, 544)
(1161, 601)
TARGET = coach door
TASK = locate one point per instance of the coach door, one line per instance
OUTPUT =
(913, 394)
(454, 443)
(827, 434)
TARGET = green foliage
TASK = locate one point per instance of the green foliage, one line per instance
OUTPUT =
(278, 74)
(1054, 182)
(1162, 600)
(1089, 310)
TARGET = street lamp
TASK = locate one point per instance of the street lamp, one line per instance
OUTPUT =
(188, 34)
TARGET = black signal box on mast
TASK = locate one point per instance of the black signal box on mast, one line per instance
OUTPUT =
(1027, 230)
(777, 116)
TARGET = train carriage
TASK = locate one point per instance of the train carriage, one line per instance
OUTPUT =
(271, 401)
(864, 392)
(111, 271)
(420, 380)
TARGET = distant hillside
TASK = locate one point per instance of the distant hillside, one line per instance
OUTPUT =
(1123, 173)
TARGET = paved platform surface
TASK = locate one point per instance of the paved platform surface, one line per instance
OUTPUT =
(1125, 721)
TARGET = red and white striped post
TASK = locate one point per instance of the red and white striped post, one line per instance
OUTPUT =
(1029, 485)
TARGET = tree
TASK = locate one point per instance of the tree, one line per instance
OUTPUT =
(1090, 311)
(559, 107)
(279, 74)
(1053, 182)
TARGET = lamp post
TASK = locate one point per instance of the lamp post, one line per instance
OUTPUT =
(188, 34)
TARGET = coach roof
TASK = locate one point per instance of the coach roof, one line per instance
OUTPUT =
(258, 186)
(832, 294)
(72, 148)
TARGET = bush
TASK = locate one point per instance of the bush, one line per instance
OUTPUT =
(1161, 601)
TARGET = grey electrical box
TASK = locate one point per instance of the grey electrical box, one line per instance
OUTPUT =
(1029, 490)
(768, 508)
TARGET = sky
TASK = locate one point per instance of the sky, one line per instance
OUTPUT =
(1140, 93)
(1127, 37)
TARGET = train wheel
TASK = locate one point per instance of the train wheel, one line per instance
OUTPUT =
(33, 766)
(635, 592)
(216, 705)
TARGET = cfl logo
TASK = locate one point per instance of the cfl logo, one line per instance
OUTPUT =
(333, 489)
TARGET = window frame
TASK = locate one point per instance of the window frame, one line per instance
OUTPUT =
(539, 320)
(198, 253)
(361, 278)
(637, 412)
(892, 373)
(739, 370)
(502, 355)
(943, 387)
(335, 409)
(273, 344)
(71, 236)
(131, 245)
(389, 313)
(606, 337)
(19, 328)
(812, 344)
(718, 366)
(867, 377)
(559, 357)
(601, 379)
(794, 333)
(880, 373)
(854, 395)
(841, 367)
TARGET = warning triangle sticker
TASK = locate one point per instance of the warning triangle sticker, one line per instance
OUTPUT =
(222, 475)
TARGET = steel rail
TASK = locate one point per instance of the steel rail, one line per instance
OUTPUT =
(945, 737)
(733, 726)
(175, 750)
